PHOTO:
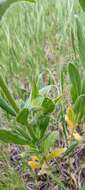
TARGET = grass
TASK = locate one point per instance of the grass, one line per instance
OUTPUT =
(9, 177)
(31, 34)
(36, 37)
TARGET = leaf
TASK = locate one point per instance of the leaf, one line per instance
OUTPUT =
(83, 87)
(39, 125)
(71, 148)
(45, 90)
(75, 78)
(4, 105)
(8, 94)
(37, 102)
(43, 124)
(49, 142)
(35, 91)
(22, 132)
(73, 94)
(5, 4)
(82, 3)
(79, 107)
(55, 153)
(23, 116)
(48, 105)
(8, 136)
(81, 41)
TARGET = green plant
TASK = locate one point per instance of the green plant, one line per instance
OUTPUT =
(32, 121)
(77, 91)
(82, 3)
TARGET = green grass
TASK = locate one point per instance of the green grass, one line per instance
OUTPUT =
(35, 39)
(31, 36)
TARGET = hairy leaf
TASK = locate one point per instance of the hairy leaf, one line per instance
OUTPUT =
(48, 105)
(8, 136)
(73, 94)
(75, 79)
(8, 95)
(23, 116)
(35, 91)
(5, 106)
(43, 124)
(49, 142)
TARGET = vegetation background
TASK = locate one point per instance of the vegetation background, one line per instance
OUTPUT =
(38, 40)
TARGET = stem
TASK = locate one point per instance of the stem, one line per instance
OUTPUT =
(63, 124)
(8, 94)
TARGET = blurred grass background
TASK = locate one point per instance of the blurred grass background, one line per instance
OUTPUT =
(35, 36)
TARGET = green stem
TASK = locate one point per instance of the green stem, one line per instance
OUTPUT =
(8, 94)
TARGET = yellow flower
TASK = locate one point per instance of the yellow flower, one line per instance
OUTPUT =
(70, 124)
(70, 118)
(34, 163)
